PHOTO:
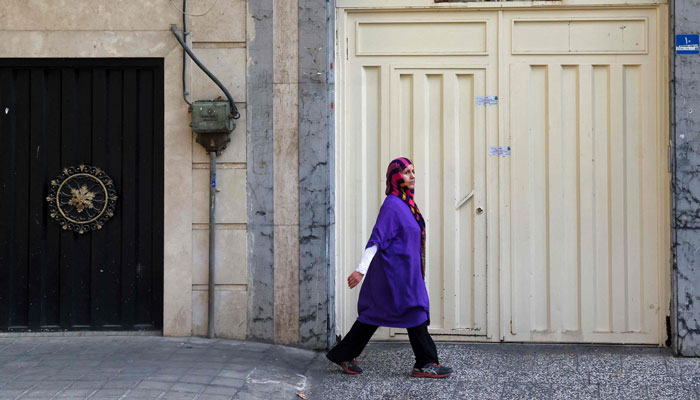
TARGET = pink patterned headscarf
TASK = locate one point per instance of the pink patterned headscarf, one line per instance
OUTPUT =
(395, 185)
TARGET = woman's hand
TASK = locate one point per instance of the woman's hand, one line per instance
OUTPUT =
(354, 279)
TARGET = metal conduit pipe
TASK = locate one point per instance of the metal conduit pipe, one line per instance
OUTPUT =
(212, 246)
(211, 325)
(234, 109)
(184, 54)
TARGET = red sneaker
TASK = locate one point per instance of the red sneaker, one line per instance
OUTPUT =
(431, 370)
(350, 367)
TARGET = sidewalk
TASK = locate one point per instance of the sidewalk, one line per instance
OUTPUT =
(150, 367)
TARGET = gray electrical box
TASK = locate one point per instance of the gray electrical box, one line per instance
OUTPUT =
(212, 121)
(212, 116)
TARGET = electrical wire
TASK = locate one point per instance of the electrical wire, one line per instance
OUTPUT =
(184, 12)
(232, 104)
(184, 54)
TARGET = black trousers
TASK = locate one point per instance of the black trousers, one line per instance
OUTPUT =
(355, 341)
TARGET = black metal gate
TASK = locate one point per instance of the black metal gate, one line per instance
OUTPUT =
(61, 113)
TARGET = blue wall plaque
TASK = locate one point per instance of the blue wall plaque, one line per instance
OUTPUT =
(687, 44)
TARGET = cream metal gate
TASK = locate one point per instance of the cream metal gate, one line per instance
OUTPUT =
(576, 218)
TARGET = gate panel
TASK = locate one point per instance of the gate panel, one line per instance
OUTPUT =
(585, 181)
(449, 141)
(62, 113)
(418, 100)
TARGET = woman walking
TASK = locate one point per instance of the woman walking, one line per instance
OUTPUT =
(394, 293)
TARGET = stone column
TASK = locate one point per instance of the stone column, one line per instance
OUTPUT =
(316, 279)
(286, 170)
(686, 184)
(259, 171)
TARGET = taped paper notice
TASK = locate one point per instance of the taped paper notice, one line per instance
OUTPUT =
(486, 100)
(499, 151)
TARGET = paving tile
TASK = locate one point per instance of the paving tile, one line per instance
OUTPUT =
(160, 385)
(87, 384)
(177, 395)
(10, 393)
(162, 377)
(144, 393)
(231, 373)
(187, 387)
(201, 379)
(19, 385)
(204, 371)
(110, 392)
(221, 390)
(253, 346)
(121, 384)
(45, 393)
(76, 392)
(213, 397)
(173, 370)
(231, 382)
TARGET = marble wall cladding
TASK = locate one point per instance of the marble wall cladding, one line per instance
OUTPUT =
(286, 172)
(330, 233)
(177, 218)
(224, 23)
(259, 167)
(87, 44)
(286, 283)
(314, 177)
(231, 256)
(228, 65)
(77, 15)
(231, 317)
(218, 36)
(686, 18)
(230, 200)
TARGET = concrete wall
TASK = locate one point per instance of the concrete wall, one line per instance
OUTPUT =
(686, 120)
(135, 28)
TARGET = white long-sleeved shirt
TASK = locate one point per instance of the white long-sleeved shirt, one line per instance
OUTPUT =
(367, 257)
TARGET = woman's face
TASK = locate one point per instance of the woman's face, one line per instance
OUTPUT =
(409, 176)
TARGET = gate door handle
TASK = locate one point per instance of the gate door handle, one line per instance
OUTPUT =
(464, 200)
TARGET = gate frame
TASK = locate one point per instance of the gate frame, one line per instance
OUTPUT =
(337, 303)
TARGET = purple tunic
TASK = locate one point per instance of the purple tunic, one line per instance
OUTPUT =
(393, 292)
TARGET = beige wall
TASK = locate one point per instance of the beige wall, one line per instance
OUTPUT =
(137, 28)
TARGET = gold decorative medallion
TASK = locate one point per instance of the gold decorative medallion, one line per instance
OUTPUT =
(82, 198)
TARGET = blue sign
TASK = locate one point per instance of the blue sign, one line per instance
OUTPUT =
(687, 44)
